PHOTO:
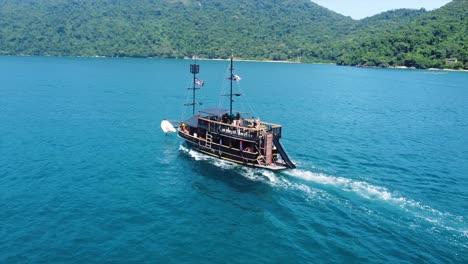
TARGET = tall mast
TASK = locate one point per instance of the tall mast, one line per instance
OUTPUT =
(194, 69)
(231, 69)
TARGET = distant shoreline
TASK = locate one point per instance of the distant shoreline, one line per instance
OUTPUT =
(408, 68)
(252, 60)
(239, 59)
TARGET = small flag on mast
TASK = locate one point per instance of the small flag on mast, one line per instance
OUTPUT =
(236, 77)
(199, 82)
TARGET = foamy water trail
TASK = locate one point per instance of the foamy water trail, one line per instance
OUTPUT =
(249, 173)
(254, 174)
(363, 189)
(194, 154)
(366, 190)
(443, 219)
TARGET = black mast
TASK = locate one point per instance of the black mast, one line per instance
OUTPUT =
(230, 95)
(194, 69)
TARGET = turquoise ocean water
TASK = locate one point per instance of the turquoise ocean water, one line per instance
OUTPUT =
(86, 176)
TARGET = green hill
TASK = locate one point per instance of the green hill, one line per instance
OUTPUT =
(396, 16)
(423, 40)
(274, 29)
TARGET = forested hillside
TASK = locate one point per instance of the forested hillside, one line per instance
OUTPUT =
(423, 41)
(251, 29)
(274, 29)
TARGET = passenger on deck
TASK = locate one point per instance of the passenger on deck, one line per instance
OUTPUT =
(257, 122)
(225, 118)
(235, 119)
(184, 128)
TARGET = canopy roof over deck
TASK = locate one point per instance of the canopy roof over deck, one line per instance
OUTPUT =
(215, 111)
(193, 120)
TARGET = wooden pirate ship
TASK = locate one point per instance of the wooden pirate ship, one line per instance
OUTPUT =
(222, 134)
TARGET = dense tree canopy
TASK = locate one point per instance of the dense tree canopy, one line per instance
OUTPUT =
(423, 40)
(274, 29)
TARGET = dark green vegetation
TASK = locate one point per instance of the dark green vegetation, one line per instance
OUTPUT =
(413, 39)
(274, 29)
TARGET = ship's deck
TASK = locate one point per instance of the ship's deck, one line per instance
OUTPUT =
(248, 129)
(263, 125)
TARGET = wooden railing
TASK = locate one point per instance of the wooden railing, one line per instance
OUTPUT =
(248, 131)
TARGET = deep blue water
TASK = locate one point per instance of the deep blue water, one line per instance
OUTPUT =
(86, 176)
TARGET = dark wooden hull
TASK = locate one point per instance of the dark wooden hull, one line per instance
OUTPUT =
(247, 145)
(222, 152)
